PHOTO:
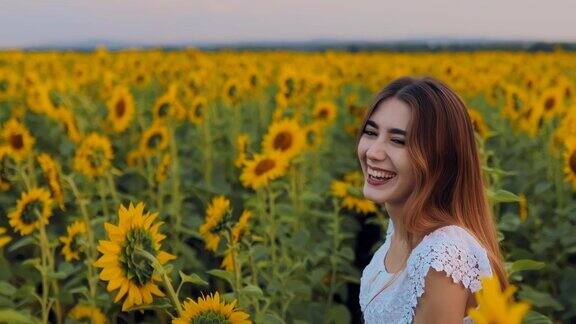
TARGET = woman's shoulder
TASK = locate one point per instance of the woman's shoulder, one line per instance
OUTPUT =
(454, 250)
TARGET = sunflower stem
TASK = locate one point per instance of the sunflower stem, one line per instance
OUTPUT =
(176, 196)
(113, 191)
(160, 269)
(102, 193)
(91, 243)
(44, 247)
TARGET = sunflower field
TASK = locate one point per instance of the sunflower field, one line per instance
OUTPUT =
(223, 187)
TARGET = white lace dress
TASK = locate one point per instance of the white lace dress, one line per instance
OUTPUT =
(450, 248)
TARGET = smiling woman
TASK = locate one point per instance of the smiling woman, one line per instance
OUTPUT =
(417, 151)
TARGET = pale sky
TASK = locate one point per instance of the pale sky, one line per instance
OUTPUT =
(158, 22)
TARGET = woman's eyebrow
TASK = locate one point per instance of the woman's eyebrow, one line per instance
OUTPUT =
(390, 130)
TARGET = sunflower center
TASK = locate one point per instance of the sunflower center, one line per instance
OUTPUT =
(77, 243)
(549, 104)
(17, 141)
(283, 141)
(140, 79)
(4, 84)
(254, 80)
(154, 140)
(137, 268)
(289, 87)
(264, 166)
(572, 162)
(516, 102)
(31, 212)
(164, 109)
(232, 91)
(120, 108)
(210, 317)
(323, 114)
(198, 109)
(95, 158)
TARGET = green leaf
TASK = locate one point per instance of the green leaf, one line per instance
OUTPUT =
(525, 264)
(27, 240)
(7, 289)
(269, 318)
(339, 314)
(536, 318)
(252, 291)
(222, 275)
(539, 299)
(193, 279)
(502, 195)
(14, 316)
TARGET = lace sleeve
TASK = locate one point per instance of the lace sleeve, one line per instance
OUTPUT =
(453, 250)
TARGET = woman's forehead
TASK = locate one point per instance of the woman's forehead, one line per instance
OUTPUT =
(392, 113)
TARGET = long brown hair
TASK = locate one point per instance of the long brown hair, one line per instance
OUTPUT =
(450, 185)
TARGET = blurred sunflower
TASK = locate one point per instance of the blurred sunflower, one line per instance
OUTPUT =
(140, 78)
(135, 158)
(73, 242)
(478, 123)
(120, 109)
(82, 313)
(18, 139)
(8, 84)
(210, 309)
(93, 157)
(570, 161)
(237, 231)
(197, 112)
(52, 175)
(163, 168)
(324, 111)
(495, 306)
(4, 239)
(241, 148)
(284, 137)
(263, 168)
(231, 92)
(350, 193)
(125, 268)
(167, 106)
(33, 209)
(154, 139)
(215, 222)
(313, 133)
(66, 118)
(551, 102)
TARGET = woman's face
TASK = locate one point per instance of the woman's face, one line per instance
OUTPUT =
(383, 147)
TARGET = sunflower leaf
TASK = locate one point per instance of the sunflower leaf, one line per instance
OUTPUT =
(192, 278)
(227, 276)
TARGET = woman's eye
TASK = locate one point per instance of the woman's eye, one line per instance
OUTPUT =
(398, 141)
(367, 132)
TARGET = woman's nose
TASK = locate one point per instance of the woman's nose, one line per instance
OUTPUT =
(376, 152)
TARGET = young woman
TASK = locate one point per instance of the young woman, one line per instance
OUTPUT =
(417, 151)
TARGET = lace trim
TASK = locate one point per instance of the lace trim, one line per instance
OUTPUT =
(451, 249)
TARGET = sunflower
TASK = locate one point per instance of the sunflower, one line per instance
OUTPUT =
(140, 78)
(237, 231)
(18, 139)
(551, 101)
(93, 157)
(570, 161)
(8, 84)
(284, 137)
(135, 158)
(241, 147)
(123, 267)
(155, 139)
(263, 168)
(4, 179)
(66, 118)
(86, 312)
(314, 133)
(350, 193)
(4, 239)
(231, 92)
(495, 306)
(52, 175)
(33, 209)
(210, 309)
(163, 168)
(478, 123)
(167, 106)
(324, 111)
(73, 244)
(198, 111)
(215, 222)
(120, 109)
